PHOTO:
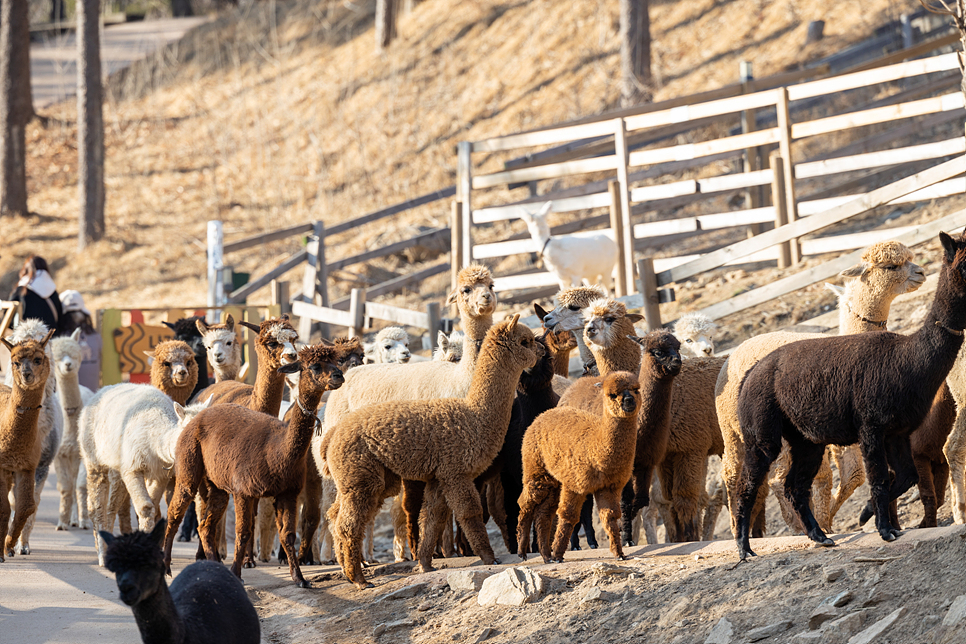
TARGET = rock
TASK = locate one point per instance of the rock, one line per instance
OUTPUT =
(378, 630)
(956, 611)
(675, 612)
(870, 634)
(876, 596)
(832, 574)
(930, 621)
(822, 614)
(592, 594)
(512, 587)
(809, 636)
(842, 599)
(403, 593)
(765, 632)
(721, 633)
(485, 634)
(424, 606)
(606, 569)
(844, 627)
(391, 626)
(467, 579)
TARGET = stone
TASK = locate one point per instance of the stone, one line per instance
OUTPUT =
(606, 569)
(809, 636)
(832, 574)
(957, 610)
(391, 626)
(844, 627)
(467, 579)
(675, 612)
(765, 632)
(424, 606)
(485, 634)
(842, 598)
(721, 633)
(870, 634)
(822, 614)
(592, 594)
(378, 630)
(512, 587)
(876, 596)
(930, 621)
(403, 593)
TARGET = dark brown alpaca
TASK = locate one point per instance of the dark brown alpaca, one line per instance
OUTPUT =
(230, 449)
(873, 389)
(19, 445)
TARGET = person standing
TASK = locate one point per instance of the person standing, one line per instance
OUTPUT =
(76, 316)
(37, 294)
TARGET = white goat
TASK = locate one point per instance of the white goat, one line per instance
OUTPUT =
(695, 332)
(390, 346)
(589, 256)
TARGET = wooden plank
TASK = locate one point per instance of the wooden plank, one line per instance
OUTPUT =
(649, 296)
(239, 295)
(405, 281)
(251, 315)
(617, 228)
(893, 134)
(464, 178)
(455, 241)
(945, 103)
(545, 137)
(895, 156)
(735, 181)
(267, 238)
(322, 314)
(668, 227)
(397, 315)
(745, 217)
(571, 204)
(551, 171)
(704, 148)
(110, 319)
(780, 200)
(409, 204)
(816, 222)
(441, 235)
(905, 54)
(518, 246)
(788, 177)
(664, 191)
(530, 280)
(909, 69)
(942, 189)
(622, 152)
(692, 112)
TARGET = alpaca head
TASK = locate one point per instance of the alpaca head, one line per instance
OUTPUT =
(174, 366)
(137, 562)
(352, 352)
(568, 304)
(696, 333)
(188, 331)
(390, 346)
(275, 343)
(318, 369)
(220, 341)
(474, 294)
(662, 357)
(954, 257)
(537, 222)
(449, 347)
(66, 353)
(561, 341)
(511, 343)
(621, 394)
(885, 272)
(607, 320)
(29, 362)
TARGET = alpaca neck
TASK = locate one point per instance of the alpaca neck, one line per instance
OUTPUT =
(157, 618)
(655, 412)
(861, 312)
(475, 327)
(68, 391)
(268, 389)
(934, 347)
(178, 394)
(561, 363)
(623, 355)
(491, 395)
(586, 355)
(616, 437)
(303, 423)
(23, 410)
(226, 372)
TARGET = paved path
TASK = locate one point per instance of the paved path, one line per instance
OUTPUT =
(53, 62)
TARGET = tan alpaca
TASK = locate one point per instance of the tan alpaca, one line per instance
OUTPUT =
(19, 445)
(569, 453)
(605, 332)
(566, 315)
(443, 443)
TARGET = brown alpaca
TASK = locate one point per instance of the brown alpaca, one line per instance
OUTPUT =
(568, 454)
(445, 443)
(230, 449)
(19, 445)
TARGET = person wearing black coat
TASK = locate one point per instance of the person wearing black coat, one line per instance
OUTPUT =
(37, 293)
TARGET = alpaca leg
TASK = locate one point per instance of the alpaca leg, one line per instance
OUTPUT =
(310, 516)
(119, 504)
(776, 481)
(329, 493)
(464, 500)
(83, 515)
(955, 451)
(927, 493)
(609, 506)
(201, 510)
(512, 484)
(665, 474)
(138, 492)
(732, 462)
(848, 460)
(806, 460)
(348, 518)
(208, 526)
(184, 493)
(432, 516)
(494, 502)
(568, 514)
(99, 489)
(285, 519)
(762, 446)
(399, 529)
(244, 528)
(635, 496)
(447, 541)
(368, 544)
(716, 501)
(26, 506)
(412, 500)
(223, 532)
(689, 472)
(6, 482)
(65, 486)
(822, 493)
(23, 543)
(546, 523)
(266, 533)
(587, 523)
(940, 474)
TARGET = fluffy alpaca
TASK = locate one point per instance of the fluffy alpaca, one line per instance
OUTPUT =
(449, 348)
(607, 332)
(390, 346)
(566, 315)
(20, 442)
(50, 425)
(230, 449)
(885, 272)
(67, 355)
(573, 258)
(352, 352)
(372, 449)
(205, 604)
(696, 333)
(188, 330)
(595, 455)
(223, 348)
(873, 389)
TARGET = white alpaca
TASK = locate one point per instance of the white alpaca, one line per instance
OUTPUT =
(224, 348)
(449, 348)
(50, 425)
(695, 332)
(391, 346)
(131, 431)
(574, 258)
(67, 356)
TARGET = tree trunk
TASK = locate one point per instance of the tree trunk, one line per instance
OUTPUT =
(181, 8)
(385, 23)
(16, 105)
(90, 123)
(635, 24)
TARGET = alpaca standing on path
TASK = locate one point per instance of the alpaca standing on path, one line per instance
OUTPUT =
(205, 604)
(444, 443)
(20, 445)
(873, 389)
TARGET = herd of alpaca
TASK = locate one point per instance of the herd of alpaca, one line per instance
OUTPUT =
(493, 426)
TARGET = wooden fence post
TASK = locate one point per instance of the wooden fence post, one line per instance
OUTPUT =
(464, 189)
(781, 206)
(785, 147)
(357, 311)
(652, 306)
(251, 315)
(627, 237)
(315, 289)
(433, 312)
(752, 156)
(455, 242)
(216, 255)
(280, 296)
(617, 226)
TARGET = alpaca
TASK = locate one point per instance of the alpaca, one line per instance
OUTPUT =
(560, 344)
(573, 258)
(230, 449)
(885, 272)
(390, 346)
(49, 426)
(188, 330)
(223, 348)
(566, 315)
(205, 604)
(372, 450)
(20, 441)
(352, 352)
(66, 355)
(696, 333)
(873, 389)
(449, 348)
(594, 455)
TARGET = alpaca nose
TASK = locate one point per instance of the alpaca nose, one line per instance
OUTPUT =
(591, 331)
(708, 351)
(628, 403)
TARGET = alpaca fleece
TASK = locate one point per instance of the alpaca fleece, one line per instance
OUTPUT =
(188, 331)
(566, 314)
(608, 325)
(223, 347)
(176, 372)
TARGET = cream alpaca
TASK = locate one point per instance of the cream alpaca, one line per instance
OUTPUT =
(224, 348)
(566, 315)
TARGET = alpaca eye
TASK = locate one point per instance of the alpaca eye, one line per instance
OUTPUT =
(609, 320)
(37, 361)
(165, 364)
(891, 268)
(573, 307)
(466, 290)
(688, 340)
(228, 344)
(387, 347)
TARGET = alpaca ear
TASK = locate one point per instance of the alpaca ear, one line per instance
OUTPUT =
(442, 340)
(106, 537)
(7, 343)
(513, 322)
(949, 245)
(202, 329)
(207, 403)
(230, 322)
(179, 410)
(50, 334)
(158, 533)
(250, 326)
(451, 298)
(75, 336)
(599, 385)
(855, 271)
(292, 367)
(634, 317)
(837, 290)
(636, 338)
(325, 343)
(150, 353)
(540, 311)
(169, 325)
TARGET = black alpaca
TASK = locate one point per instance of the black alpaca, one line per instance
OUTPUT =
(873, 389)
(206, 603)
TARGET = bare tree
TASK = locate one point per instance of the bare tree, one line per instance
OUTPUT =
(16, 105)
(90, 123)
(385, 23)
(635, 25)
(958, 14)
(181, 8)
